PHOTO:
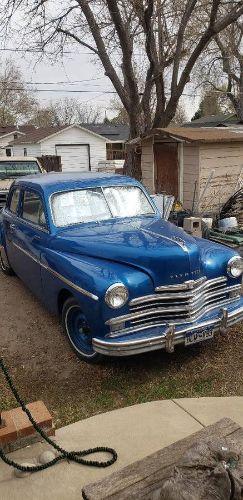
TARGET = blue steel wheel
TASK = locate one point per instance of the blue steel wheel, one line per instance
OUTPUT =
(78, 331)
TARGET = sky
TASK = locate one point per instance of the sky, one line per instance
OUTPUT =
(76, 66)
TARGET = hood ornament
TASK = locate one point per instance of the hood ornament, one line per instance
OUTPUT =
(180, 242)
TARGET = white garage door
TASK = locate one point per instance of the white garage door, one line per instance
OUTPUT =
(74, 157)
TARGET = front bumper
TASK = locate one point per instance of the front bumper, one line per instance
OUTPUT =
(167, 337)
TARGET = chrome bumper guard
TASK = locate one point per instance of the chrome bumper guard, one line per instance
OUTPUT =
(169, 339)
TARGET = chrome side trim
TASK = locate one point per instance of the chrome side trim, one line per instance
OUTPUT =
(26, 252)
(131, 347)
(70, 283)
(57, 275)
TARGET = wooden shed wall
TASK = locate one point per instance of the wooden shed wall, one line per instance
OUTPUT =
(226, 159)
(190, 174)
(147, 164)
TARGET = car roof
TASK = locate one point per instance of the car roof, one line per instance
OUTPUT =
(61, 181)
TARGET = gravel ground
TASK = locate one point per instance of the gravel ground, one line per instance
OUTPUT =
(44, 367)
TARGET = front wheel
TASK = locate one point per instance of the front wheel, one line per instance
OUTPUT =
(78, 331)
(4, 264)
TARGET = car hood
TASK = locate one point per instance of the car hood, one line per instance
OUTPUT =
(166, 253)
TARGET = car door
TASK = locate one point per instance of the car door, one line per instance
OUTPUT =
(29, 236)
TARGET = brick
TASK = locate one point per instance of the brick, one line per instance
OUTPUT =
(40, 414)
(18, 429)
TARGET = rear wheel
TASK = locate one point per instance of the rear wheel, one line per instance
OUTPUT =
(78, 331)
(4, 264)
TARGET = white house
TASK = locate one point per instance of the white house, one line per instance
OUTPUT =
(10, 133)
(80, 147)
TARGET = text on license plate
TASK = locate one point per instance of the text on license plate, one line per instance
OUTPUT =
(198, 336)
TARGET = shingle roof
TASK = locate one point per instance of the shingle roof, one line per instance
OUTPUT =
(36, 134)
(114, 132)
(214, 121)
(201, 134)
(109, 131)
(12, 128)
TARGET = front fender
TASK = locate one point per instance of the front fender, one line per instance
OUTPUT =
(214, 258)
(94, 276)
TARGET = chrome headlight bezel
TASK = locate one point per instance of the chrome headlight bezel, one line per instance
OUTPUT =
(232, 265)
(113, 291)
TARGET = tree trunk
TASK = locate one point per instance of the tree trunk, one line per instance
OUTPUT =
(132, 166)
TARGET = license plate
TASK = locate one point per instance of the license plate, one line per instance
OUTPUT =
(199, 336)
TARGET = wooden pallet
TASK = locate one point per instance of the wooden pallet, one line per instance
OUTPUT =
(144, 478)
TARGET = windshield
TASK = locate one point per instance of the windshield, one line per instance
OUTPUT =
(11, 168)
(87, 205)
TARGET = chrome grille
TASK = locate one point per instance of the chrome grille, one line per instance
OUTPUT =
(178, 303)
(182, 304)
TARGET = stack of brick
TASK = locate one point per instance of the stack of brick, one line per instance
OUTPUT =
(16, 431)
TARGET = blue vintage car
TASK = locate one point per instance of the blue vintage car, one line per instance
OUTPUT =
(95, 249)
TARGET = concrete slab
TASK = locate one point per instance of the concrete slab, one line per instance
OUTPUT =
(134, 432)
(209, 410)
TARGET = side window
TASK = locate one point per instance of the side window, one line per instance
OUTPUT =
(14, 200)
(33, 208)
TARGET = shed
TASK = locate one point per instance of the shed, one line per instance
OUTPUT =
(183, 161)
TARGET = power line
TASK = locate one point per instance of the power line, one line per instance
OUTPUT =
(38, 51)
(63, 90)
(91, 91)
(67, 82)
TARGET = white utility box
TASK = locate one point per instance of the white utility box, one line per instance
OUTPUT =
(193, 226)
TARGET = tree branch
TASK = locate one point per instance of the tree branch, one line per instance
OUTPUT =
(180, 40)
(127, 52)
(101, 50)
(225, 60)
(77, 39)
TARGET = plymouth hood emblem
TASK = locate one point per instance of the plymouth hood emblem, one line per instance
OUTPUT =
(180, 242)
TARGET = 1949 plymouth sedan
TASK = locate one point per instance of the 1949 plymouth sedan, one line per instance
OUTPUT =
(95, 249)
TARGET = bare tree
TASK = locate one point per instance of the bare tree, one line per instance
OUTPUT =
(16, 102)
(213, 102)
(163, 39)
(180, 116)
(222, 68)
(230, 45)
(121, 116)
(64, 112)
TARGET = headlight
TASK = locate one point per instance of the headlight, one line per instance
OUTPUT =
(235, 267)
(116, 295)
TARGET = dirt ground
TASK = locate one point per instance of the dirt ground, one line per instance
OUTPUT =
(44, 367)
